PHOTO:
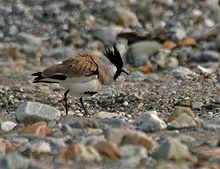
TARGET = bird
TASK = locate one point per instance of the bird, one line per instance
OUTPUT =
(84, 74)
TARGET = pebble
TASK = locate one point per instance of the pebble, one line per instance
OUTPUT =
(132, 155)
(121, 16)
(8, 126)
(81, 153)
(179, 110)
(186, 139)
(141, 51)
(30, 112)
(14, 160)
(106, 35)
(126, 136)
(197, 105)
(109, 149)
(115, 123)
(41, 146)
(172, 62)
(172, 149)
(29, 39)
(182, 72)
(149, 122)
(213, 125)
(211, 55)
(106, 115)
(183, 121)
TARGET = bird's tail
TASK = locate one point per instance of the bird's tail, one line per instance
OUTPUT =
(50, 79)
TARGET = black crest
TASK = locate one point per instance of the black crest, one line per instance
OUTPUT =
(115, 58)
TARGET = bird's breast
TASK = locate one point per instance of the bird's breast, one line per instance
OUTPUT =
(82, 86)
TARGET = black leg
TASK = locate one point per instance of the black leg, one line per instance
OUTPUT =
(65, 100)
(81, 101)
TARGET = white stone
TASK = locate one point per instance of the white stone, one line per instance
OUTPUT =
(33, 112)
(41, 146)
(8, 126)
(149, 121)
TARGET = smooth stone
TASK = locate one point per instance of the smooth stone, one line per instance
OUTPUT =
(213, 125)
(217, 100)
(26, 38)
(41, 146)
(141, 51)
(66, 128)
(186, 138)
(81, 153)
(209, 55)
(197, 105)
(2, 149)
(14, 160)
(172, 149)
(133, 154)
(149, 121)
(172, 62)
(107, 115)
(179, 110)
(92, 140)
(183, 121)
(205, 70)
(105, 35)
(165, 164)
(109, 149)
(8, 126)
(121, 16)
(181, 72)
(115, 123)
(31, 112)
(134, 137)
(13, 30)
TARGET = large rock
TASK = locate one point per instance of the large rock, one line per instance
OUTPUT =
(172, 149)
(149, 122)
(142, 50)
(121, 16)
(30, 112)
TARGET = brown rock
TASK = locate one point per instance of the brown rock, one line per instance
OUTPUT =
(146, 69)
(80, 153)
(127, 136)
(169, 45)
(39, 128)
(109, 149)
(187, 42)
(178, 111)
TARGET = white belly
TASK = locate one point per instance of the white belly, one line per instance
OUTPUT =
(79, 86)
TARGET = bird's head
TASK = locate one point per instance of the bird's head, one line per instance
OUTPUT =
(115, 58)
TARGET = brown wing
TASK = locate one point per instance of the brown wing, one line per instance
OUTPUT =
(80, 65)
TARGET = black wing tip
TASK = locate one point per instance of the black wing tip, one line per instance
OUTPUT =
(37, 74)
